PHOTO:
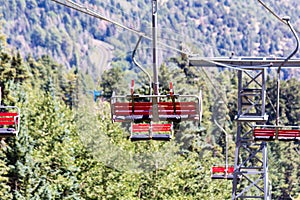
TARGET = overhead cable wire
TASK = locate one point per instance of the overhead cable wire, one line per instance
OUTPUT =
(187, 39)
(217, 90)
(274, 14)
(85, 10)
(271, 11)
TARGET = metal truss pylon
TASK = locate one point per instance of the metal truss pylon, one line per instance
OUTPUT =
(250, 179)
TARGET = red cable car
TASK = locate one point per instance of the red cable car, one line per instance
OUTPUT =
(222, 172)
(284, 133)
(9, 120)
(131, 108)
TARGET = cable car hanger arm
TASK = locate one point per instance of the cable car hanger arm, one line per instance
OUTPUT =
(226, 142)
(287, 19)
(138, 65)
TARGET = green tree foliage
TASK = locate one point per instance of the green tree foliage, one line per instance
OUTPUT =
(111, 80)
(69, 149)
(79, 154)
(210, 28)
(44, 156)
(4, 186)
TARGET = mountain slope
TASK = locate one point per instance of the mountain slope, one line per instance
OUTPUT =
(209, 28)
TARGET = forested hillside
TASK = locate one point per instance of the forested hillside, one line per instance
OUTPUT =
(68, 148)
(208, 28)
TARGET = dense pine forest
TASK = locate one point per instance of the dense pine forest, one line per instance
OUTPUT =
(52, 58)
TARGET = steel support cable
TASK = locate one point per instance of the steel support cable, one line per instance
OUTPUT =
(85, 10)
(274, 14)
(81, 8)
(194, 42)
(287, 19)
(271, 11)
(272, 105)
(297, 150)
(218, 64)
(215, 88)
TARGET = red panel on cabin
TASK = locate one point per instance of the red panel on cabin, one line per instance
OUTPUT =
(125, 108)
(221, 169)
(178, 105)
(128, 105)
(178, 112)
(2, 122)
(8, 114)
(161, 127)
(182, 108)
(145, 108)
(129, 112)
(272, 133)
(216, 169)
(7, 118)
(264, 132)
(139, 128)
(230, 170)
(288, 133)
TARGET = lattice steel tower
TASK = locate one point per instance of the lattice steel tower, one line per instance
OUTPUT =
(250, 178)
